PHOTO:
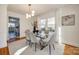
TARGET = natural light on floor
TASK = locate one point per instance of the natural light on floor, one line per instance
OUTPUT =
(18, 52)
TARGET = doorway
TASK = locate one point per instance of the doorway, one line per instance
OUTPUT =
(14, 28)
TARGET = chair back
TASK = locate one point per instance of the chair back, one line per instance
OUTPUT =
(50, 38)
(33, 38)
(27, 33)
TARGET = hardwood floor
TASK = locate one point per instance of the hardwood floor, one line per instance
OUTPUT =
(71, 50)
(4, 51)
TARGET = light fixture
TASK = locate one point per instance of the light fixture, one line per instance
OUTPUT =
(31, 12)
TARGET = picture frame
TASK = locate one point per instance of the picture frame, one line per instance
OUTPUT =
(68, 20)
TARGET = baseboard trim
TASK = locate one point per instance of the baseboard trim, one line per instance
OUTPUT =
(18, 38)
(21, 38)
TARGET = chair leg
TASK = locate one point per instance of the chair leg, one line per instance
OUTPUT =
(49, 49)
(53, 47)
(29, 42)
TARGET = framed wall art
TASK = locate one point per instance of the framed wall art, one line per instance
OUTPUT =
(68, 20)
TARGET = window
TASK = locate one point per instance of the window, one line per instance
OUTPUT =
(51, 23)
(42, 23)
(11, 25)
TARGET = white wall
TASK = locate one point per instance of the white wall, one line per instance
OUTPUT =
(68, 34)
(48, 14)
(3, 26)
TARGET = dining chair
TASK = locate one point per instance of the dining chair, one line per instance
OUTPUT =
(50, 41)
(34, 40)
(27, 34)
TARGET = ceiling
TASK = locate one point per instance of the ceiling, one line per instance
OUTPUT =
(39, 8)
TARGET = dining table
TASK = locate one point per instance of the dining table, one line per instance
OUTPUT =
(43, 36)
